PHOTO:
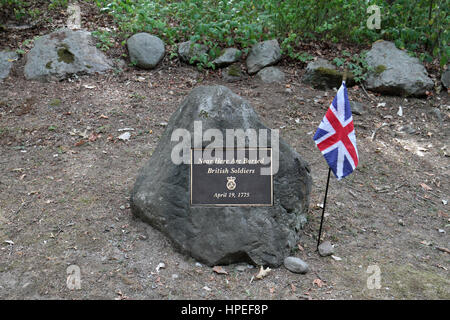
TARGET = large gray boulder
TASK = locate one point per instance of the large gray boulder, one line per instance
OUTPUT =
(227, 57)
(145, 49)
(222, 235)
(188, 50)
(271, 75)
(322, 74)
(63, 53)
(263, 54)
(6, 61)
(394, 72)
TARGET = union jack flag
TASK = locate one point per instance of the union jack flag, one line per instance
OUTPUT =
(336, 137)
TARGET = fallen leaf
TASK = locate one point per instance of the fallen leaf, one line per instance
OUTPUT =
(272, 290)
(293, 288)
(426, 187)
(80, 143)
(263, 272)
(300, 247)
(102, 116)
(219, 270)
(93, 137)
(318, 283)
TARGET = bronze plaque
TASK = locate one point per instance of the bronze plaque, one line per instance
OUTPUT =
(231, 177)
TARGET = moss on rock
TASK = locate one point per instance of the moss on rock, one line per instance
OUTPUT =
(64, 55)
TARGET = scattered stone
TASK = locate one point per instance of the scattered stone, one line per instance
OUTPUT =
(357, 108)
(326, 249)
(263, 54)
(227, 57)
(243, 267)
(438, 115)
(198, 265)
(175, 276)
(222, 235)
(6, 61)
(401, 222)
(445, 78)
(395, 72)
(322, 74)
(232, 73)
(146, 50)
(296, 265)
(161, 265)
(187, 50)
(336, 258)
(124, 136)
(408, 129)
(63, 53)
(271, 75)
(122, 207)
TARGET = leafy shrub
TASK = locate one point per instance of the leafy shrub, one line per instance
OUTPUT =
(412, 24)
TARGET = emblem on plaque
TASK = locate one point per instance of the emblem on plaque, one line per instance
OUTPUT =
(231, 184)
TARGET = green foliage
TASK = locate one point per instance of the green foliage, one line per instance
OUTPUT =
(105, 39)
(416, 25)
(22, 10)
(215, 23)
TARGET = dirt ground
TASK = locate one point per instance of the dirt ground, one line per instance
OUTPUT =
(65, 180)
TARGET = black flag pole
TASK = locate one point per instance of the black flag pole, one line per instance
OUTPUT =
(324, 204)
(344, 78)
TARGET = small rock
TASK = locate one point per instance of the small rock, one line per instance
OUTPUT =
(198, 265)
(124, 136)
(271, 75)
(263, 54)
(146, 50)
(336, 258)
(357, 108)
(243, 267)
(296, 265)
(408, 129)
(187, 50)
(122, 207)
(161, 265)
(441, 230)
(228, 56)
(322, 74)
(401, 222)
(326, 249)
(175, 276)
(232, 73)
